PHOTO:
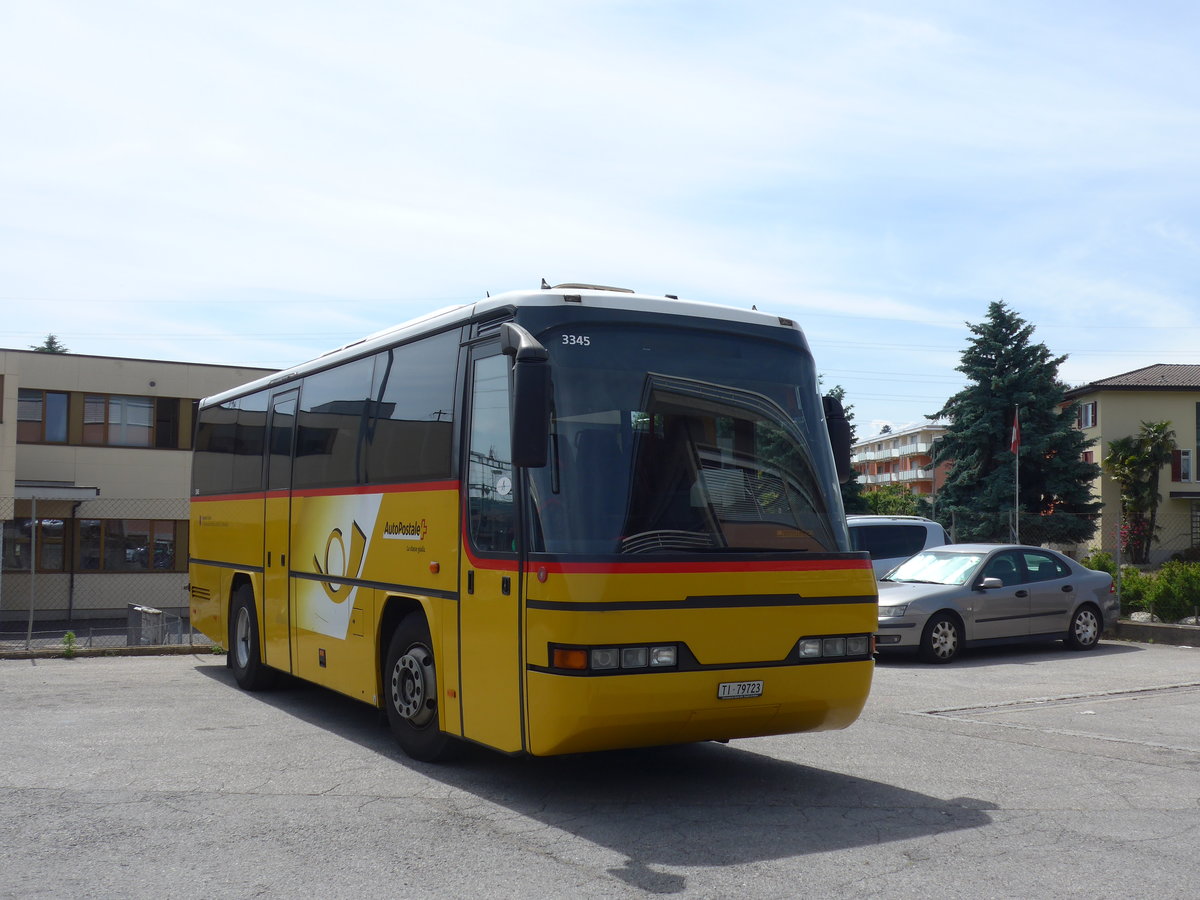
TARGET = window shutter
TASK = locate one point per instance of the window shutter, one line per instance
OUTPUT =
(1176, 465)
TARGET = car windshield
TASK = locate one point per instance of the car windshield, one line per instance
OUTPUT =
(679, 441)
(937, 567)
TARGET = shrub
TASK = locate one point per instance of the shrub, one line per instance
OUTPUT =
(1175, 591)
(1101, 561)
(1134, 586)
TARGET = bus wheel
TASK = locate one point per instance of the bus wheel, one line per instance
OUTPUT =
(411, 693)
(245, 649)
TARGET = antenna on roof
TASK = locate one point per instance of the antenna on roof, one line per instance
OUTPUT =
(545, 285)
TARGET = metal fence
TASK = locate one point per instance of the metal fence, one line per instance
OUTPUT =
(144, 627)
(1176, 536)
(79, 565)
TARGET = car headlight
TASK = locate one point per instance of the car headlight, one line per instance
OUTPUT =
(887, 612)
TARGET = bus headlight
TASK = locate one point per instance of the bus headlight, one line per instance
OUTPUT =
(614, 660)
(663, 656)
(848, 646)
(606, 658)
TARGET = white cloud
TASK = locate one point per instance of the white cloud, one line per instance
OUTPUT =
(206, 177)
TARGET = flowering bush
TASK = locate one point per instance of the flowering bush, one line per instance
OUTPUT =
(1135, 539)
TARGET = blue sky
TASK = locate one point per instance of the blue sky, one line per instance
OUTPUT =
(259, 182)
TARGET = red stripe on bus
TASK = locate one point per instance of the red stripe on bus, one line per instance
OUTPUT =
(697, 567)
(418, 487)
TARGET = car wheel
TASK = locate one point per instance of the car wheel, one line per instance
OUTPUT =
(245, 649)
(411, 692)
(1084, 633)
(942, 639)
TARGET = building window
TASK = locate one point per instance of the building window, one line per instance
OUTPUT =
(130, 545)
(1088, 456)
(1181, 465)
(166, 423)
(41, 417)
(1087, 415)
(18, 540)
(118, 421)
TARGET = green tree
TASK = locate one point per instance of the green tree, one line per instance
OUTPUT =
(895, 500)
(1005, 371)
(853, 499)
(1135, 462)
(50, 345)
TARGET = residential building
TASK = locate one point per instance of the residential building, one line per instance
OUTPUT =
(903, 457)
(95, 472)
(1115, 407)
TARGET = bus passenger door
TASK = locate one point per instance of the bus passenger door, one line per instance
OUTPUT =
(490, 583)
(277, 619)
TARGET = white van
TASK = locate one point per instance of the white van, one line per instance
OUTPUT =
(892, 539)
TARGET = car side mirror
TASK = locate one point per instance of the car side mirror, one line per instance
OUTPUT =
(989, 583)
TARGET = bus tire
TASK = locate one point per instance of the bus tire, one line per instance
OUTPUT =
(411, 692)
(245, 648)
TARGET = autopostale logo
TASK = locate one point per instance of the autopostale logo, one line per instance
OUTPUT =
(405, 531)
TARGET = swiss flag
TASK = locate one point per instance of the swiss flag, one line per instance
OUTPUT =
(1015, 445)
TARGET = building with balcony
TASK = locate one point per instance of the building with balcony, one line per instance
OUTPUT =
(1115, 407)
(95, 473)
(903, 457)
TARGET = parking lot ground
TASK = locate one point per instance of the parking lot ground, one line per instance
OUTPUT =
(1016, 772)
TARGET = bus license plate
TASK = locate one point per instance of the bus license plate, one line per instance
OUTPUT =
(730, 690)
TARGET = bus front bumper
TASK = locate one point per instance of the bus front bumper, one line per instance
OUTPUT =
(575, 714)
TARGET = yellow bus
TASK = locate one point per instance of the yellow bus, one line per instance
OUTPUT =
(562, 520)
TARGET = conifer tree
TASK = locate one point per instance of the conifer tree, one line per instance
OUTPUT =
(51, 345)
(1005, 372)
(853, 500)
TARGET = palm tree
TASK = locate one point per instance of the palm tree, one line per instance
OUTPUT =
(1135, 462)
(1158, 444)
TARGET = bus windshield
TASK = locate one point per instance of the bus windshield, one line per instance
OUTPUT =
(681, 441)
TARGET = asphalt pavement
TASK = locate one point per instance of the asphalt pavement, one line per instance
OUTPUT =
(1015, 772)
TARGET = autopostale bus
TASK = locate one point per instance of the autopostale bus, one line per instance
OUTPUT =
(555, 521)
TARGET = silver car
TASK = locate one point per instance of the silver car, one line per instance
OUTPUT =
(960, 595)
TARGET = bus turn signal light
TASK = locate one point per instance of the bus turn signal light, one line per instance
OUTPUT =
(568, 658)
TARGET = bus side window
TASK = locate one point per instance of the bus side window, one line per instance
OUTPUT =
(490, 504)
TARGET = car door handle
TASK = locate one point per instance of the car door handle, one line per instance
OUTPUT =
(1066, 588)
(1022, 593)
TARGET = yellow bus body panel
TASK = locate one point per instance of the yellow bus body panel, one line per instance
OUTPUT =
(754, 622)
(229, 531)
(574, 715)
(392, 541)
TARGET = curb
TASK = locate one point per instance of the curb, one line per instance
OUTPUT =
(1157, 633)
(92, 652)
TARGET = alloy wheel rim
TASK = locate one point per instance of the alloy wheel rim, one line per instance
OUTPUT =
(242, 638)
(1086, 627)
(413, 686)
(944, 640)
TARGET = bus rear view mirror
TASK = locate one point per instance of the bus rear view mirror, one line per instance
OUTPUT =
(531, 395)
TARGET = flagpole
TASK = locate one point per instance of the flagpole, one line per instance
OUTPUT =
(1016, 449)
